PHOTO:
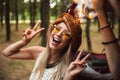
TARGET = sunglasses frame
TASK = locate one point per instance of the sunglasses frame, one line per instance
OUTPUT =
(65, 34)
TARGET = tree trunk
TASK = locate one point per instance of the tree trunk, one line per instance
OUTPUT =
(44, 18)
(1, 14)
(88, 34)
(32, 13)
(118, 28)
(16, 14)
(63, 6)
(23, 14)
(7, 10)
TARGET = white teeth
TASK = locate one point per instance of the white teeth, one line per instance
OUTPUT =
(56, 40)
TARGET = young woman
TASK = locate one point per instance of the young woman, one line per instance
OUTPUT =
(58, 59)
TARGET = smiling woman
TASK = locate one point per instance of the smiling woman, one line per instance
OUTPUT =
(58, 59)
(59, 34)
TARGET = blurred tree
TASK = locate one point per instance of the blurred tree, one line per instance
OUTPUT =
(87, 30)
(7, 20)
(45, 17)
(1, 13)
(32, 12)
(60, 6)
(55, 10)
(63, 5)
(14, 10)
(118, 28)
(16, 14)
(23, 9)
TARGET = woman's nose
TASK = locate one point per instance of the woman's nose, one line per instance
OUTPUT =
(59, 33)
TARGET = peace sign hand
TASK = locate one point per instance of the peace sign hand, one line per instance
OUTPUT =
(76, 66)
(28, 34)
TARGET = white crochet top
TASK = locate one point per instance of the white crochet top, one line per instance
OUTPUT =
(47, 73)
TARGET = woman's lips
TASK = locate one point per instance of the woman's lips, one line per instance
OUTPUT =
(56, 41)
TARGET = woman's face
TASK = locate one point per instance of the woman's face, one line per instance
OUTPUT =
(60, 37)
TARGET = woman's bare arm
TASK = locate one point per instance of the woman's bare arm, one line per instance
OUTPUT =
(112, 49)
(16, 51)
(24, 53)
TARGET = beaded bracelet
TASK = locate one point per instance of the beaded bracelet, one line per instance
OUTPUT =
(104, 26)
(113, 41)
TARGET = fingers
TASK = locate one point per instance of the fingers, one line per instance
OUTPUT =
(79, 55)
(80, 62)
(38, 31)
(83, 65)
(24, 35)
(36, 25)
(30, 33)
(27, 31)
(85, 58)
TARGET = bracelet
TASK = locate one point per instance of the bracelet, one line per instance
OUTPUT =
(104, 26)
(105, 43)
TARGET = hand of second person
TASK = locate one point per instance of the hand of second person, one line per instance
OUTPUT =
(28, 34)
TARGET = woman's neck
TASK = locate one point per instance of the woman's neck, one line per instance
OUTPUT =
(54, 56)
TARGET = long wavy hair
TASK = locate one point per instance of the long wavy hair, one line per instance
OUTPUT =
(70, 50)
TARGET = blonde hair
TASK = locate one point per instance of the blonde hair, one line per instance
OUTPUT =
(69, 51)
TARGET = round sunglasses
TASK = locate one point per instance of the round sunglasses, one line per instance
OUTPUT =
(65, 34)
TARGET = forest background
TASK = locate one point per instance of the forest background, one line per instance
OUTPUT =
(17, 15)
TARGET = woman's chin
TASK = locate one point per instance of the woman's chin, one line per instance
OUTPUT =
(52, 47)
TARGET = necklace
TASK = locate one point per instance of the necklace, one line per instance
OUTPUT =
(55, 63)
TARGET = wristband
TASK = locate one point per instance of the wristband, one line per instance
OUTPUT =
(109, 42)
(104, 26)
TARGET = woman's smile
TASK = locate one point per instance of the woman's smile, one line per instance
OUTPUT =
(57, 39)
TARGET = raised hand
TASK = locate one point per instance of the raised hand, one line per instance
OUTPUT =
(28, 34)
(76, 66)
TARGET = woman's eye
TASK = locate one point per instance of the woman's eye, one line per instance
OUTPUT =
(56, 29)
(67, 35)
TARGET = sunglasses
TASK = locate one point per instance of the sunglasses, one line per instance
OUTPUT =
(65, 34)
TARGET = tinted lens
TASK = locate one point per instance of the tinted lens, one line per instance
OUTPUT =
(67, 34)
(56, 29)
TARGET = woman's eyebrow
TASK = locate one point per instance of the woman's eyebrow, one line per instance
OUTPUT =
(59, 26)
